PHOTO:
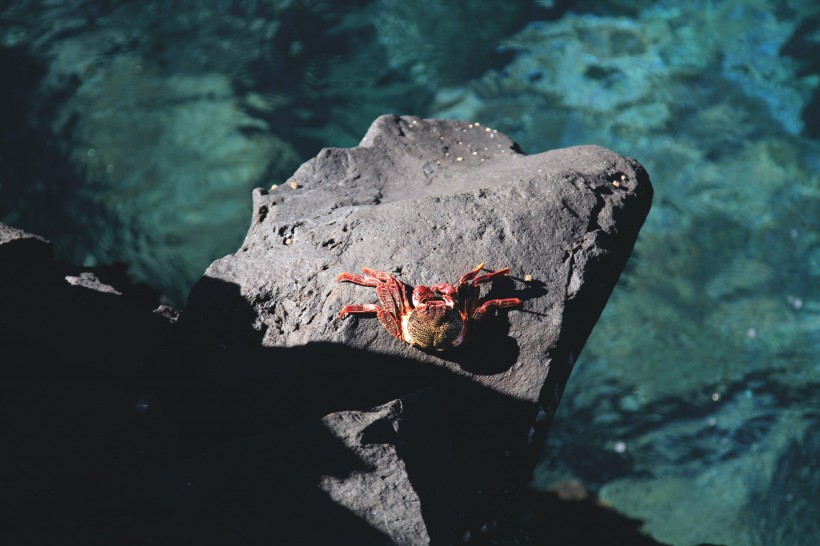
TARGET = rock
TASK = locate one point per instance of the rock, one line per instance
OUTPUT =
(76, 415)
(93, 317)
(21, 252)
(440, 440)
(539, 517)
(257, 415)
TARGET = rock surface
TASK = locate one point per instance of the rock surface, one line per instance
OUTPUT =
(425, 200)
(261, 417)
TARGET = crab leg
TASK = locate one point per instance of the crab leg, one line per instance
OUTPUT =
(395, 288)
(496, 304)
(390, 322)
(391, 293)
(364, 280)
(481, 279)
(388, 288)
(490, 277)
(469, 276)
(359, 309)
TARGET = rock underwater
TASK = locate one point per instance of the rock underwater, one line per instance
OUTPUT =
(264, 418)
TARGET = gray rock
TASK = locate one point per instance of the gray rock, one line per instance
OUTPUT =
(77, 314)
(77, 418)
(21, 252)
(263, 416)
(453, 434)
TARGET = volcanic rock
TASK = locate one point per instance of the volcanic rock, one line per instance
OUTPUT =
(257, 416)
(424, 447)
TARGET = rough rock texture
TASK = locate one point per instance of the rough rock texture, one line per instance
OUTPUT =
(451, 433)
(258, 416)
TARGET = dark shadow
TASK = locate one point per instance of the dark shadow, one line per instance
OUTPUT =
(539, 517)
(448, 434)
(99, 452)
(533, 288)
(489, 349)
(219, 440)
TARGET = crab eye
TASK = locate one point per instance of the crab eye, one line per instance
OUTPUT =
(422, 294)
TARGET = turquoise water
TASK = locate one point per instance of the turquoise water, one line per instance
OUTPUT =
(135, 131)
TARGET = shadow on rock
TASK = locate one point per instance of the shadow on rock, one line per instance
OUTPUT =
(490, 350)
(245, 414)
(220, 382)
(240, 428)
(539, 517)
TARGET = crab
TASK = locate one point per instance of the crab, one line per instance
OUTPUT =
(433, 317)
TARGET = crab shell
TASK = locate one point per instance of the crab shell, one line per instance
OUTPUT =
(430, 325)
(438, 317)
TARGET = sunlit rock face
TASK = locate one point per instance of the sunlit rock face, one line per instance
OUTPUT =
(450, 434)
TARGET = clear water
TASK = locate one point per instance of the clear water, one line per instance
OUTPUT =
(134, 132)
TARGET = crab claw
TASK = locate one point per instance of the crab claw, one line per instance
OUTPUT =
(422, 294)
(481, 279)
(469, 276)
(506, 303)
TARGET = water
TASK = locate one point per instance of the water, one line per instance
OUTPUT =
(135, 130)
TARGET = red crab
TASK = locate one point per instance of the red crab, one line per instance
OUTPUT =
(438, 316)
